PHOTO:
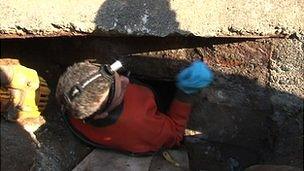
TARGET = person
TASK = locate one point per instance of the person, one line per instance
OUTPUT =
(106, 109)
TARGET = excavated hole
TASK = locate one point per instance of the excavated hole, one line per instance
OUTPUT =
(50, 57)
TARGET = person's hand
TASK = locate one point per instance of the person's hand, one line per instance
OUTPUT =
(195, 77)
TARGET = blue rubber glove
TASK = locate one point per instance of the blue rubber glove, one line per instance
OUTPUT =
(195, 77)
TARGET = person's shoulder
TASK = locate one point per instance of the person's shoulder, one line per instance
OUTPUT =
(140, 86)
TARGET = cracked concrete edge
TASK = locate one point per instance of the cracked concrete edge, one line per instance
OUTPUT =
(151, 18)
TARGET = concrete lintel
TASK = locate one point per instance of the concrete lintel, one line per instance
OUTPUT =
(40, 18)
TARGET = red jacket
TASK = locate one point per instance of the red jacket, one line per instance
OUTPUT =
(140, 127)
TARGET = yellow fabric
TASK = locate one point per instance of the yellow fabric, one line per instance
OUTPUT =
(24, 91)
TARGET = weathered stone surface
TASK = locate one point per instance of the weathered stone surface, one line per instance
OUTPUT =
(59, 148)
(287, 74)
(157, 18)
(272, 168)
(287, 83)
(248, 90)
(209, 155)
(105, 160)
(238, 100)
(17, 148)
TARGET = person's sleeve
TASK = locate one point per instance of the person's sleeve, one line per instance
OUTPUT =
(178, 116)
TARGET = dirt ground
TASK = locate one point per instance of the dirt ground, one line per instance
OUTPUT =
(60, 150)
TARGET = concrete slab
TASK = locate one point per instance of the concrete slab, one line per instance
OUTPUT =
(100, 160)
(105, 160)
(33, 18)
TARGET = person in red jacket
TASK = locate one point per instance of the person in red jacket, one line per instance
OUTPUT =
(106, 109)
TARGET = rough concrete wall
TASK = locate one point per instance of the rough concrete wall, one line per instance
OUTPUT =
(256, 99)
(151, 17)
(258, 95)
(287, 95)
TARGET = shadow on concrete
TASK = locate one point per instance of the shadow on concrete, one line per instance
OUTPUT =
(137, 17)
(253, 135)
